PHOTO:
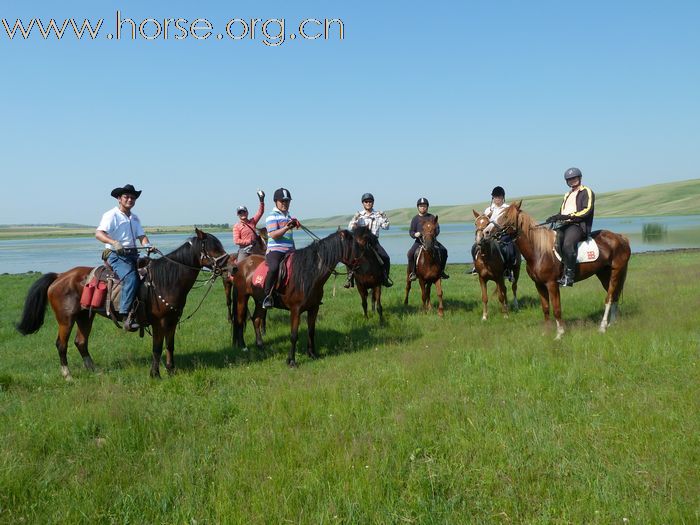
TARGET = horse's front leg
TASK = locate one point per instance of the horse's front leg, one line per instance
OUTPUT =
(158, 336)
(259, 319)
(425, 295)
(514, 287)
(363, 296)
(501, 289)
(294, 316)
(311, 316)
(228, 293)
(484, 298)
(239, 320)
(438, 288)
(544, 300)
(555, 299)
(377, 300)
(408, 288)
(170, 350)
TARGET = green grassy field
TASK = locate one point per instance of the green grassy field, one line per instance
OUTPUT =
(424, 420)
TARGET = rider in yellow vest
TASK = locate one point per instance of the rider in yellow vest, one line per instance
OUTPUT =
(577, 215)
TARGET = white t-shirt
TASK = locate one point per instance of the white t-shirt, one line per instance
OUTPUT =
(122, 228)
(495, 211)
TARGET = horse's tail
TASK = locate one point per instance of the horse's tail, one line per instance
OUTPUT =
(35, 305)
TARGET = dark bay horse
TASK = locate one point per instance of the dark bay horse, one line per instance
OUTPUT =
(368, 269)
(170, 280)
(490, 266)
(536, 244)
(310, 269)
(428, 267)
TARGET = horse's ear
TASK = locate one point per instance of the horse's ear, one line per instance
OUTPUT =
(476, 213)
(339, 228)
(518, 204)
(435, 220)
(200, 234)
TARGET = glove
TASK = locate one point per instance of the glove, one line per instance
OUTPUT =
(382, 215)
(150, 249)
(118, 248)
(557, 217)
(261, 195)
(356, 216)
(417, 235)
(294, 223)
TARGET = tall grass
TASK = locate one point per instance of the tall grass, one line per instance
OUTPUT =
(424, 420)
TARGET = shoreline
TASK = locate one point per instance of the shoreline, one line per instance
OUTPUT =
(646, 253)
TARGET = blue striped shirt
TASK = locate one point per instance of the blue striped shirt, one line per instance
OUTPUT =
(275, 221)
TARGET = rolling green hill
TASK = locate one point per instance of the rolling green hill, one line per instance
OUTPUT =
(673, 198)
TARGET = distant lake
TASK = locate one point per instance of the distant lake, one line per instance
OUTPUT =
(58, 255)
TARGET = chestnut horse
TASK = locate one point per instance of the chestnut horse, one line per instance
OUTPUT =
(170, 279)
(536, 244)
(310, 267)
(369, 269)
(428, 267)
(258, 248)
(490, 266)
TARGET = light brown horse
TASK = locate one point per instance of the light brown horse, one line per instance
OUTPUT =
(490, 266)
(428, 267)
(311, 267)
(170, 277)
(536, 244)
(258, 248)
(368, 270)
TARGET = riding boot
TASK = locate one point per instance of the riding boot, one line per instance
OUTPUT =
(567, 279)
(130, 324)
(388, 283)
(443, 275)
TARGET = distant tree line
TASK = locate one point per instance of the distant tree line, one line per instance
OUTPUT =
(211, 226)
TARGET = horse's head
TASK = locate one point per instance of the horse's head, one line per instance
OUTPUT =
(482, 227)
(363, 238)
(212, 254)
(508, 221)
(347, 240)
(430, 230)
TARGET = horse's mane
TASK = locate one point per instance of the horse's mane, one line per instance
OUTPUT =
(312, 262)
(166, 273)
(542, 239)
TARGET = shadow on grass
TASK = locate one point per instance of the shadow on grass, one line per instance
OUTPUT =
(328, 343)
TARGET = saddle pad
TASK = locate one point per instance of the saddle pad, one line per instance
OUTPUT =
(260, 273)
(587, 251)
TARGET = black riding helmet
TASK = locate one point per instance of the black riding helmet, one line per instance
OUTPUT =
(241, 209)
(367, 197)
(282, 194)
(422, 200)
(498, 191)
(572, 173)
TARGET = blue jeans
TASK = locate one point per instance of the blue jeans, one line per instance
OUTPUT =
(125, 268)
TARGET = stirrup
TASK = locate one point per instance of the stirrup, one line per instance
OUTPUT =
(412, 276)
(388, 283)
(268, 302)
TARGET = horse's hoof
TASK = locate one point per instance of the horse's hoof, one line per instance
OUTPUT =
(484, 318)
(291, 363)
(602, 328)
(312, 355)
(155, 374)
(244, 349)
(172, 371)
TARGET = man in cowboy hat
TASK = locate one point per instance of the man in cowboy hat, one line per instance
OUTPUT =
(119, 229)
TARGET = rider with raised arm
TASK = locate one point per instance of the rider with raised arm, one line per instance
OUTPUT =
(280, 240)
(119, 229)
(576, 212)
(374, 220)
(245, 234)
(415, 231)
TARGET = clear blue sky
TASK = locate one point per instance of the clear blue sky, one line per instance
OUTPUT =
(441, 99)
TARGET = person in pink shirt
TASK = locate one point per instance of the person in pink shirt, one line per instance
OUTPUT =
(245, 234)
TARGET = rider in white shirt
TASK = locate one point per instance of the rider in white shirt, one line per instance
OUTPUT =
(375, 221)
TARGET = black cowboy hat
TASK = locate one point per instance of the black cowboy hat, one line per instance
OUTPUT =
(118, 192)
